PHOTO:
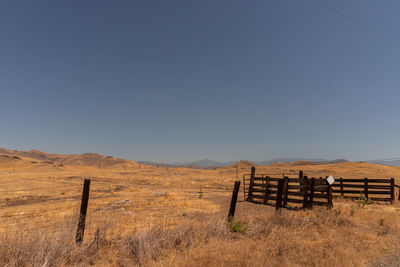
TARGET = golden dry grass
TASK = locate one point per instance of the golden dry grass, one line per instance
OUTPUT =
(155, 217)
(319, 237)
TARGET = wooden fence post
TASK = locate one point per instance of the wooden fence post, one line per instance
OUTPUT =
(366, 188)
(234, 200)
(329, 195)
(82, 216)
(304, 189)
(278, 203)
(266, 190)
(244, 187)
(341, 187)
(285, 190)
(250, 194)
(392, 199)
(399, 193)
(311, 198)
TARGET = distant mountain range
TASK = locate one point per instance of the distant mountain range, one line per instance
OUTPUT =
(211, 164)
(388, 162)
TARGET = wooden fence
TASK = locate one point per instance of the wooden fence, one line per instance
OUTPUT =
(375, 189)
(263, 188)
(287, 192)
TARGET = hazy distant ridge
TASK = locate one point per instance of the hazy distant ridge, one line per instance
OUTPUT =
(387, 162)
(208, 164)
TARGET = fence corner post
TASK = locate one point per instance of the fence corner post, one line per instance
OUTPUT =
(304, 189)
(392, 197)
(250, 193)
(285, 190)
(341, 187)
(329, 195)
(301, 176)
(233, 200)
(278, 203)
(266, 189)
(366, 188)
(399, 193)
(244, 187)
(311, 197)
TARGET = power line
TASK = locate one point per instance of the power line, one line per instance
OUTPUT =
(357, 22)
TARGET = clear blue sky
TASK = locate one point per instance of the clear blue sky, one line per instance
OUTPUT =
(184, 80)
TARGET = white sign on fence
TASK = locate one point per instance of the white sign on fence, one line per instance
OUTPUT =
(330, 179)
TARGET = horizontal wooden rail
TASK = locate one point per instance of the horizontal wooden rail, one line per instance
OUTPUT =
(275, 179)
(359, 191)
(362, 186)
(362, 180)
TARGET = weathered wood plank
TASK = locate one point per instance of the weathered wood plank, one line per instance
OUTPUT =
(266, 193)
(293, 200)
(285, 190)
(348, 185)
(305, 192)
(311, 196)
(361, 191)
(278, 203)
(345, 180)
(329, 196)
(392, 199)
(253, 172)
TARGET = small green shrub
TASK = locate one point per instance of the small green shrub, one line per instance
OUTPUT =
(363, 201)
(352, 211)
(201, 192)
(236, 227)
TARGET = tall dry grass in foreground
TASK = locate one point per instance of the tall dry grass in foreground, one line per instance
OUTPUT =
(347, 235)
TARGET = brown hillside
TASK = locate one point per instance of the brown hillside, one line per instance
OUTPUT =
(302, 163)
(30, 157)
(159, 216)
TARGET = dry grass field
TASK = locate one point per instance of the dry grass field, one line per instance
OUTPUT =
(160, 216)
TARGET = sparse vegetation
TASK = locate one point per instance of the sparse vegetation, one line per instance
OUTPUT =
(201, 192)
(236, 226)
(363, 201)
(352, 211)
